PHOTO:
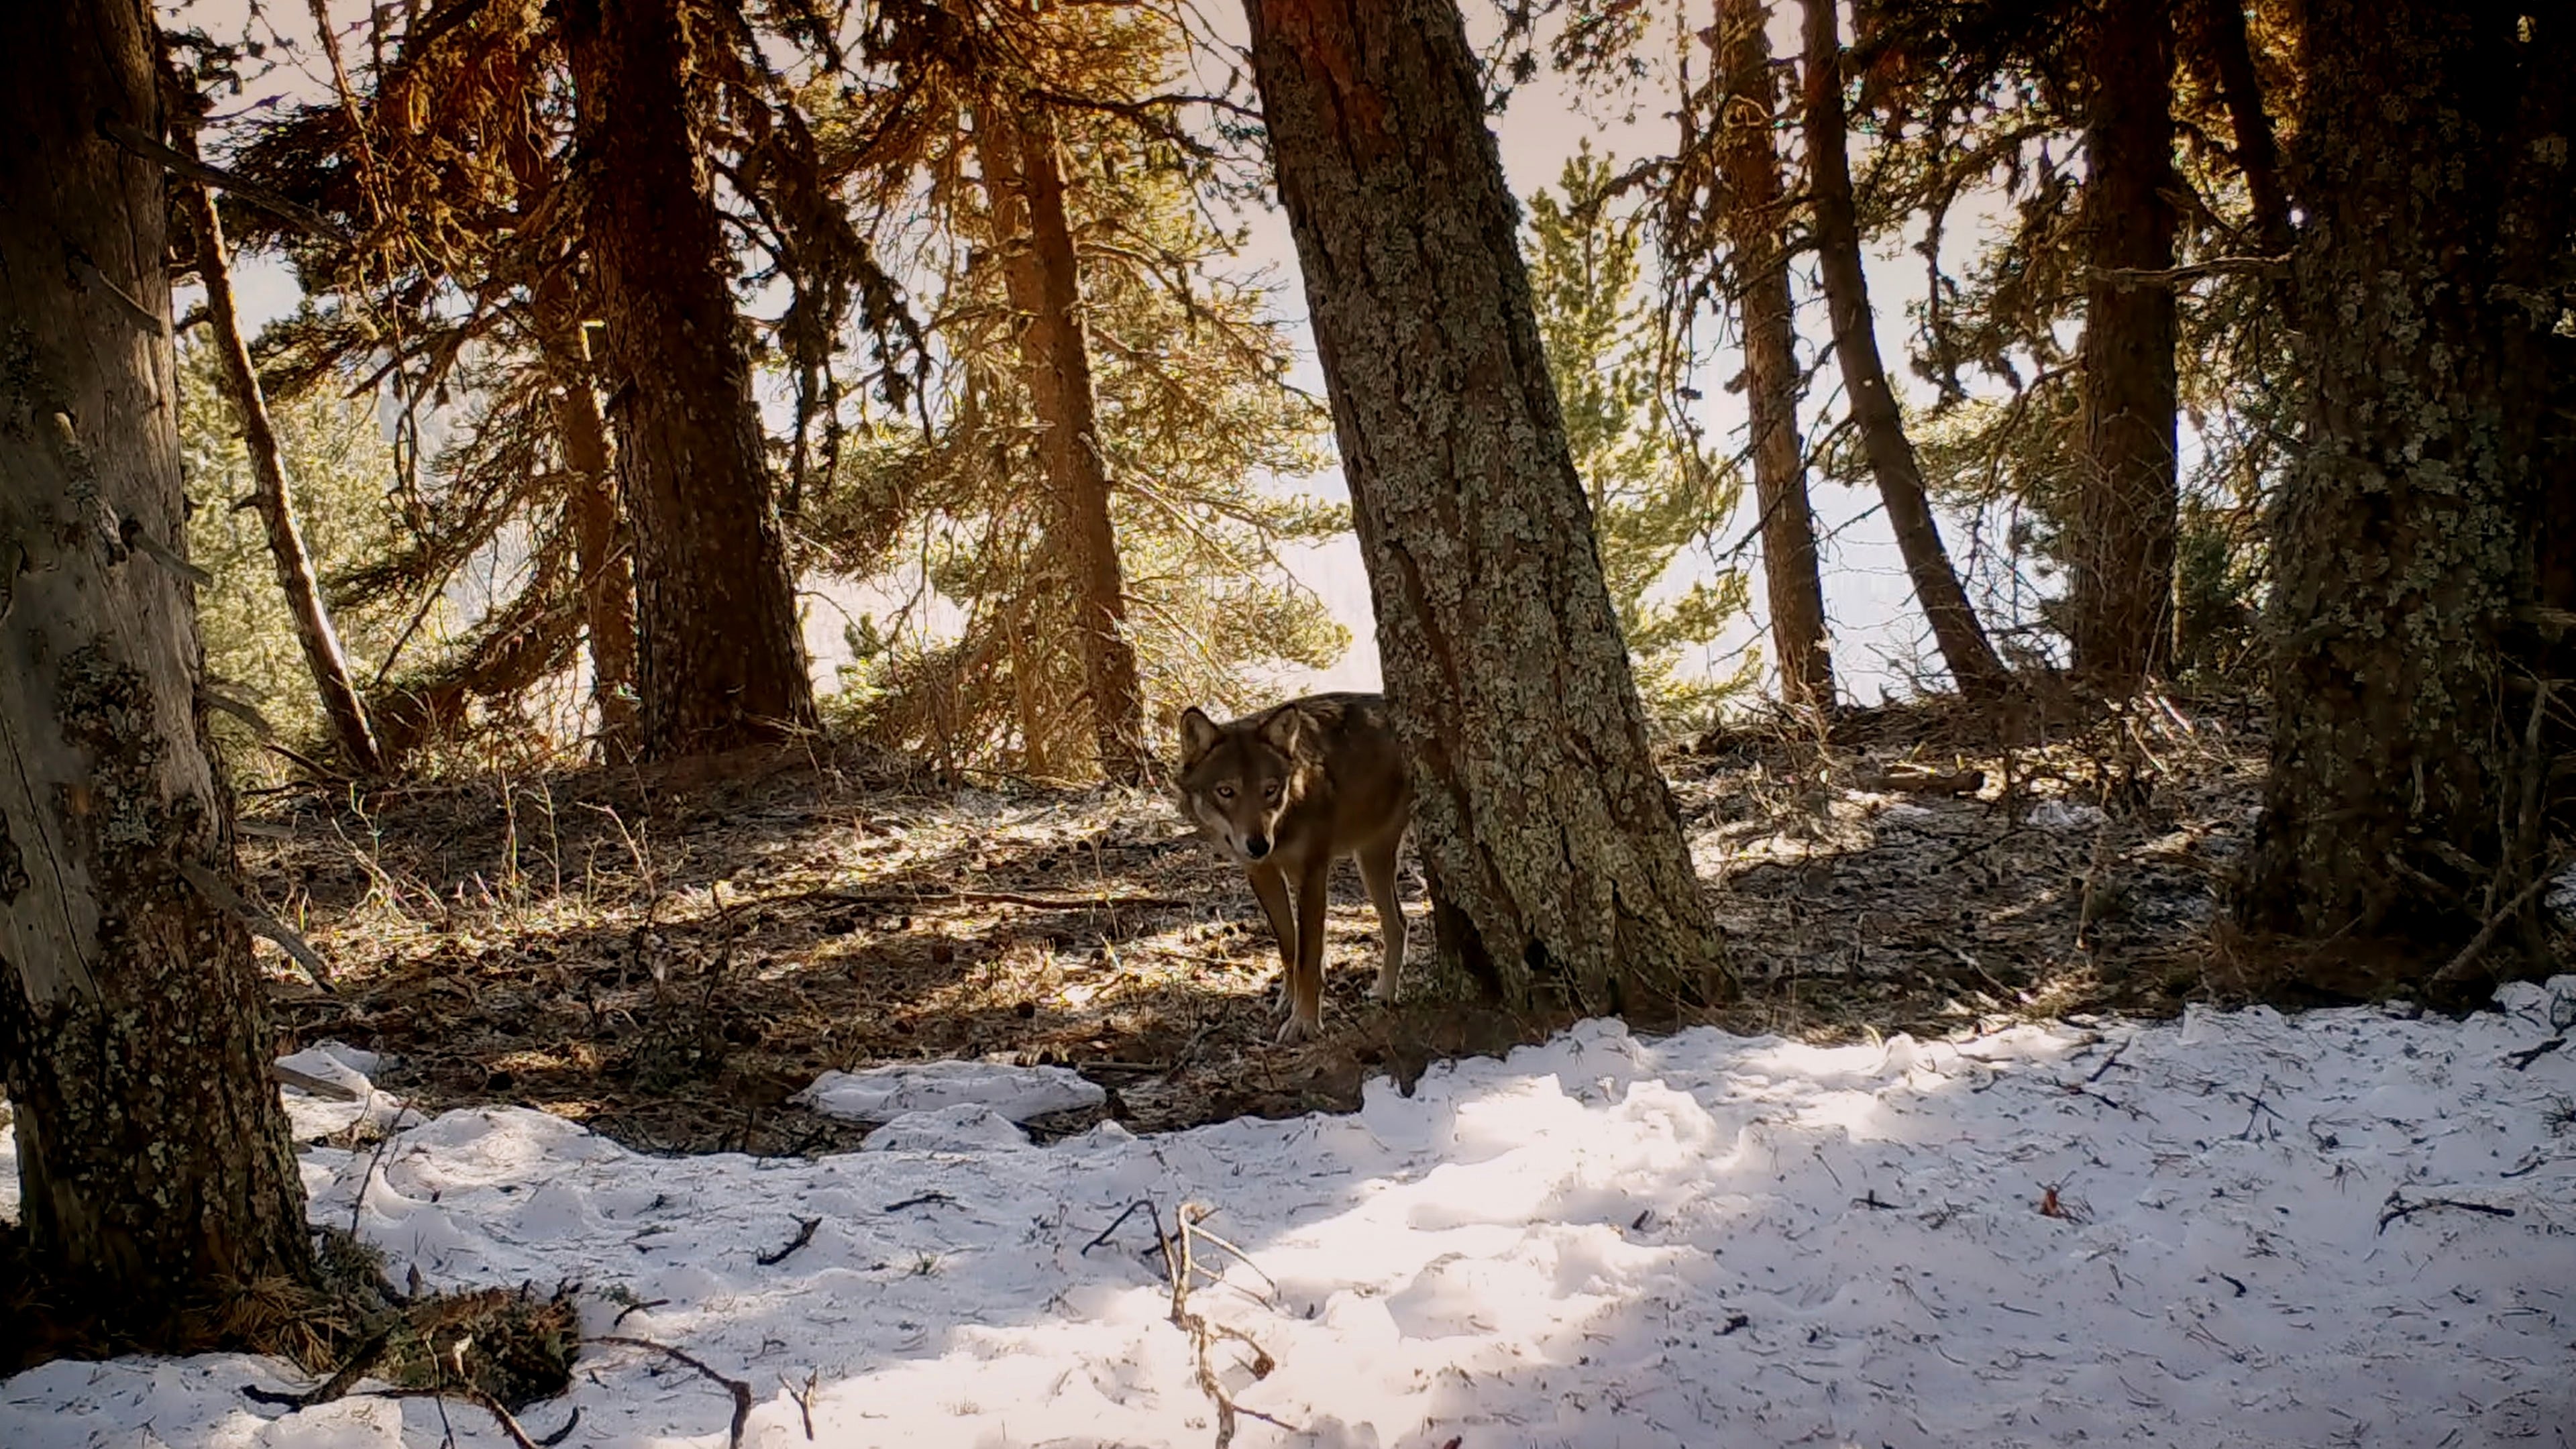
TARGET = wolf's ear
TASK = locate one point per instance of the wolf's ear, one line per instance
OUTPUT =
(1282, 730)
(1198, 735)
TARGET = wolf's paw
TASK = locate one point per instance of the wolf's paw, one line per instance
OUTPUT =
(1300, 1029)
(1384, 990)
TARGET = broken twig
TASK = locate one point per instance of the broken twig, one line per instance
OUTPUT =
(804, 1234)
(741, 1391)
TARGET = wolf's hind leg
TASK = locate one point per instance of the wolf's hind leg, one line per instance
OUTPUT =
(1377, 868)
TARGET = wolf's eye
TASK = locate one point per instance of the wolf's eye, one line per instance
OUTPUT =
(1225, 792)
(1270, 791)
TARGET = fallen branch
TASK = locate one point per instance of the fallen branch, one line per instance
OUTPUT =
(336, 1389)
(2397, 1207)
(1143, 1205)
(741, 1391)
(1915, 782)
(2458, 967)
(804, 1234)
(2522, 1060)
(306, 1082)
(1204, 1335)
(640, 1305)
(215, 889)
(992, 898)
(804, 1397)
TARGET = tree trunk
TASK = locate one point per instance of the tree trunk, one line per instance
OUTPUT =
(342, 704)
(1024, 183)
(599, 542)
(152, 1149)
(1964, 648)
(722, 660)
(607, 582)
(1556, 862)
(2402, 538)
(2120, 586)
(1755, 222)
(2220, 45)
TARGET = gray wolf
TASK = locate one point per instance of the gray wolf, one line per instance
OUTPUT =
(1287, 792)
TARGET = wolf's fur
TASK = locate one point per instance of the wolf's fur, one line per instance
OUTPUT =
(1285, 793)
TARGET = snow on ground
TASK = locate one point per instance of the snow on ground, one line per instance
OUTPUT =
(2348, 1227)
(881, 1094)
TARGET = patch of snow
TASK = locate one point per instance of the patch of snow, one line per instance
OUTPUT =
(2248, 1228)
(2062, 815)
(355, 1059)
(312, 1115)
(2562, 894)
(961, 1127)
(881, 1094)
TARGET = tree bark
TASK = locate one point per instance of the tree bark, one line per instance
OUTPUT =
(2402, 538)
(2222, 46)
(1755, 225)
(342, 705)
(152, 1149)
(1555, 859)
(1024, 182)
(721, 661)
(1965, 650)
(607, 580)
(2120, 586)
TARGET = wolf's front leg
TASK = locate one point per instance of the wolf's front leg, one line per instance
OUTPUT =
(1306, 979)
(1272, 890)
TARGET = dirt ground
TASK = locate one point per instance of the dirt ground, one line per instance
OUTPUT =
(670, 955)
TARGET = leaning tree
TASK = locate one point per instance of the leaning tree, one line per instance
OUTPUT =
(1555, 858)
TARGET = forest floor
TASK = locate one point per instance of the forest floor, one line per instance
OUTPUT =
(669, 956)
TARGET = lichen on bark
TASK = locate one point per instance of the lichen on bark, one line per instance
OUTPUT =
(2404, 539)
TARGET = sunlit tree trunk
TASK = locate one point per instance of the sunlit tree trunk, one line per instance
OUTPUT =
(1024, 179)
(152, 1150)
(607, 580)
(1756, 227)
(1965, 650)
(1556, 863)
(721, 659)
(2120, 586)
(2222, 48)
(342, 704)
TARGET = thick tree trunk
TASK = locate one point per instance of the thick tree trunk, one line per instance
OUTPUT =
(722, 661)
(2120, 587)
(1555, 859)
(1756, 225)
(1024, 182)
(1965, 649)
(151, 1146)
(2401, 540)
(2221, 46)
(342, 704)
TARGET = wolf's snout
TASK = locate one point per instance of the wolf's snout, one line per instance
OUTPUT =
(1256, 846)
